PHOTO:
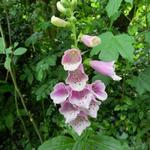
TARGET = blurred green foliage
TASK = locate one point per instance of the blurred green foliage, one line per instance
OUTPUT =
(124, 27)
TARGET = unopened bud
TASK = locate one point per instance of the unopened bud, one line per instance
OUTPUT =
(58, 22)
(61, 8)
(90, 41)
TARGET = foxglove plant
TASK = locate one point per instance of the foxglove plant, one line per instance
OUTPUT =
(78, 99)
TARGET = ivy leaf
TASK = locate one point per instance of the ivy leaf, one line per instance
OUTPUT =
(2, 46)
(20, 51)
(7, 62)
(112, 46)
(112, 7)
(58, 143)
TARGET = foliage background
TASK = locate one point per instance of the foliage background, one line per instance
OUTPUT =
(124, 27)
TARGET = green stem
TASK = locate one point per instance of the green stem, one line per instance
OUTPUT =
(15, 83)
(3, 37)
(24, 106)
(74, 35)
(18, 114)
(72, 20)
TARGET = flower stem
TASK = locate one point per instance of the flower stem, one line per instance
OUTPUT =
(18, 114)
(24, 106)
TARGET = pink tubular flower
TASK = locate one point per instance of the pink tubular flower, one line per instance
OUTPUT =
(90, 41)
(60, 93)
(98, 90)
(71, 59)
(80, 123)
(105, 68)
(77, 79)
(69, 111)
(93, 108)
(82, 99)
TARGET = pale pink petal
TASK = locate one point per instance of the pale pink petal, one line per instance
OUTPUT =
(80, 124)
(105, 68)
(69, 111)
(71, 59)
(90, 41)
(98, 89)
(60, 93)
(77, 79)
(93, 109)
(82, 98)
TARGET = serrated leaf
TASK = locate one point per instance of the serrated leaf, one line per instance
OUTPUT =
(112, 7)
(142, 82)
(112, 46)
(2, 46)
(58, 143)
(7, 62)
(20, 51)
(124, 46)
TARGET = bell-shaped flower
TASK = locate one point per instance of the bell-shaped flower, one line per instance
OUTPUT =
(69, 111)
(58, 22)
(105, 68)
(93, 108)
(77, 79)
(80, 123)
(90, 41)
(71, 59)
(60, 93)
(60, 7)
(98, 90)
(82, 99)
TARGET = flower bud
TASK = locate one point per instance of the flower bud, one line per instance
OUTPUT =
(61, 8)
(90, 41)
(58, 22)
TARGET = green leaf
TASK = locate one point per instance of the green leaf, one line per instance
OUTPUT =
(142, 81)
(102, 142)
(129, 1)
(58, 143)
(20, 51)
(9, 121)
(148, 18)
(112, 46)
(7, 62)
(112, 7)
(147, 37)
(40, 75)
(83, 145)
(2, 46)
(98, 142)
